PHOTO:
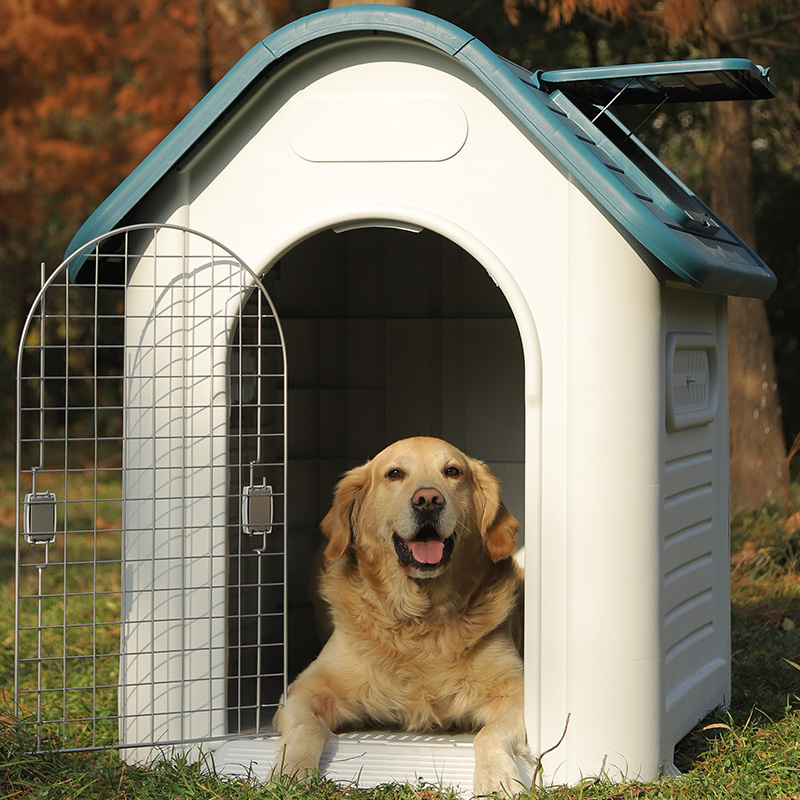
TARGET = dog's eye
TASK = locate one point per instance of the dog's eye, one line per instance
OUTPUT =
(452, 472)
(395, 474)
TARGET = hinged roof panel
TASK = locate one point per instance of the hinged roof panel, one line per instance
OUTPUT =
(668, 81)
(660, 216)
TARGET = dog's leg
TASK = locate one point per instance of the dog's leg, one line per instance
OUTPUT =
(315, 706)
(497, 745)
(304, 727)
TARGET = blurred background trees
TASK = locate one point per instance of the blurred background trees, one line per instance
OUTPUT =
(88, 89)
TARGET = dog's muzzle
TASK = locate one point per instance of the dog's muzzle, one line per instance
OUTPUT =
(426, 551)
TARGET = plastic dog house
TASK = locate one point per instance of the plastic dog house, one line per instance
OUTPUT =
(454, 246)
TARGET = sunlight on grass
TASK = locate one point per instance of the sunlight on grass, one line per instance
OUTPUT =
(69, 611)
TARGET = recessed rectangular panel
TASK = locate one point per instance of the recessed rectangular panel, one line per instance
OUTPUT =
(372, 128)
(692, 380)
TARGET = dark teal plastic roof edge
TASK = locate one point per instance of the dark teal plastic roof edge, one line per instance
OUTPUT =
(639, 225)
(359, 18)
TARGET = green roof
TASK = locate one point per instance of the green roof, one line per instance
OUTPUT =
(567, 112)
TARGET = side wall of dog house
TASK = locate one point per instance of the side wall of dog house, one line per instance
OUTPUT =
(389, 334)
(695, 516)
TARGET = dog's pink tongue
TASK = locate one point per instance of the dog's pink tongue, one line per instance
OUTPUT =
(429, 552)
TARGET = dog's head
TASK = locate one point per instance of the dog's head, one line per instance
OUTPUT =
(419, 502)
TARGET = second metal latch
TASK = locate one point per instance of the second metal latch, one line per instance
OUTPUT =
(257, 511)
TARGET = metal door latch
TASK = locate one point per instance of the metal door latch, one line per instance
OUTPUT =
(257, 509)
(39, 519)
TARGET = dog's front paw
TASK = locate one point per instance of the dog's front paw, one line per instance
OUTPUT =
(306, 775)
(501, 779)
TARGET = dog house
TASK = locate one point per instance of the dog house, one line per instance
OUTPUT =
(375, 227)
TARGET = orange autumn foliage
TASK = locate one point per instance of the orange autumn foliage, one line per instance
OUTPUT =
(90, 88)
(87, 90)
(684, 19)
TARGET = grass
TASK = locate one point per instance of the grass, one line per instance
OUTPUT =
(752, 750)
(79, 639)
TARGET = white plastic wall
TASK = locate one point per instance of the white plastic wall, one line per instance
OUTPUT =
(180, 310)
(592, 319)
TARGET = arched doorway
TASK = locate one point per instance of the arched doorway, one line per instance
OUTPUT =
(389, 333)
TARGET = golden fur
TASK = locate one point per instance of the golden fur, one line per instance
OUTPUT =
(426, 627)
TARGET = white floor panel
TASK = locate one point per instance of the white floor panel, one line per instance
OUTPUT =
(369, 759)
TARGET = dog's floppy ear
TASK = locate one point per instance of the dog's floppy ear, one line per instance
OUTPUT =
(499, 527)
(338, 522)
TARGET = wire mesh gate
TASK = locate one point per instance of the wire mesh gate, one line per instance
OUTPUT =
(151, 479)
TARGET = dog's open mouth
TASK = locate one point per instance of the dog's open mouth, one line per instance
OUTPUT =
(426, 551)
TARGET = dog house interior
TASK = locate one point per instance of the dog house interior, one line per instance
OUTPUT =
(389, 333)
(268, 301)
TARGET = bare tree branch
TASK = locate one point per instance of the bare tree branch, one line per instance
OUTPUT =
(779, 23)
(777, 43)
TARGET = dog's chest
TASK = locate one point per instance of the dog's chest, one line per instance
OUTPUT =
(426, 639)
(413, 667)
(414, 695)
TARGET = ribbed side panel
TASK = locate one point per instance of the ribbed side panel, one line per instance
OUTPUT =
(689, 600)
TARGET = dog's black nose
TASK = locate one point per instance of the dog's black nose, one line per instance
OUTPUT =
(427, 500)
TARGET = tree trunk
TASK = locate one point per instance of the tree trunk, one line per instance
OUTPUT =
(758, 449)
(251, 20)
(204, 80)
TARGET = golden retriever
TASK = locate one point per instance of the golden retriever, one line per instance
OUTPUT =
(425, 600)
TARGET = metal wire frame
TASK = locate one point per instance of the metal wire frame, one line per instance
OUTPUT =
(78, 585)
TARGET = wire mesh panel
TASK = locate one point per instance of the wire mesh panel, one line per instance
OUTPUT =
(151, 485)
